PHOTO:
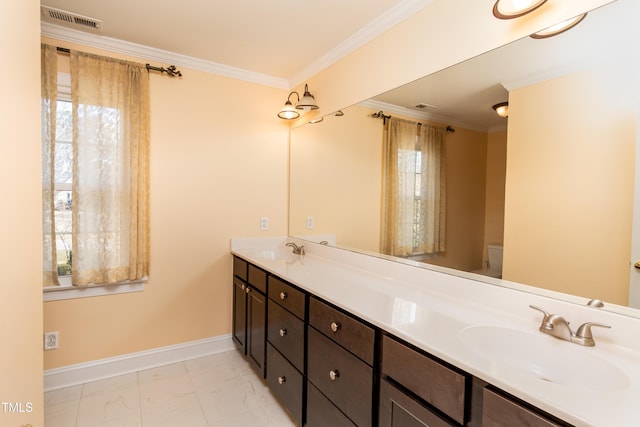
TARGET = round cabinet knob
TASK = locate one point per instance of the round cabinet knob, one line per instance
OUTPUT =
(247, 289)
(335, 326)
(283, 295)
(334, 375)
(283, 332)
(243, 286)
(282, 380)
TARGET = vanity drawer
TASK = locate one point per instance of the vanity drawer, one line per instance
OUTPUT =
(286, 383)
(321, 412)
(500, 411)
(286, 333)
(347, 331)
(240, 268)
(343, 378)
(430, 380)
(398, 409)
(287, 296)
(257, 278)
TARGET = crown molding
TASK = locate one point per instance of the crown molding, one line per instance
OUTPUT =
(392, 17)
(419, 115)
(158, 55)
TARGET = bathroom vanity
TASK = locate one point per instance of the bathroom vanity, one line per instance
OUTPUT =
(345, 339)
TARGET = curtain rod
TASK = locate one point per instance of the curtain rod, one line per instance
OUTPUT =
(381, 115)
(171, 70)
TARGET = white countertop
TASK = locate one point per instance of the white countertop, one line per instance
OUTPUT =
(430, 309)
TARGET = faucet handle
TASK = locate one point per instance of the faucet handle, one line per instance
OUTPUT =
(584, 331)
(545, 319)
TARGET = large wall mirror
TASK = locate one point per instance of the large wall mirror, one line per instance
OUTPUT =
(546, 194)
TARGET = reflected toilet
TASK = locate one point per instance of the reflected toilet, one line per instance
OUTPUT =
(494, 269)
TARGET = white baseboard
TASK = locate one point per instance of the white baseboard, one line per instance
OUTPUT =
(81, 373)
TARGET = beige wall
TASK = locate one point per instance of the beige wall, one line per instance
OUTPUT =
(20, 220)
(570, 172)
(217, 166)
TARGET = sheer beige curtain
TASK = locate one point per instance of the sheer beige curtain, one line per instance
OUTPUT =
(49, 95)
(414, 189)
(110, 169)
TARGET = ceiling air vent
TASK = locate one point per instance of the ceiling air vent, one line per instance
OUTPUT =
(57, 16)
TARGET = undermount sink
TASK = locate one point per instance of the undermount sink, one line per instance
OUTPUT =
(543, 357)
(273, 254)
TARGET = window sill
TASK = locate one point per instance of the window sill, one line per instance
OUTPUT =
(66, 291)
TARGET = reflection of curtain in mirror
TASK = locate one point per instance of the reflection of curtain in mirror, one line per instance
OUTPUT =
(413, 213)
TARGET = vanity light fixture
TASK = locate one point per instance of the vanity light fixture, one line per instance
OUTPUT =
(502, 109)
(288, 112)
(509, 9)
(554, 30)
(306, 103)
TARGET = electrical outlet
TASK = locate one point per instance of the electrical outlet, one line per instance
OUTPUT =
(264, 223)
(309, 222)
(51, 340)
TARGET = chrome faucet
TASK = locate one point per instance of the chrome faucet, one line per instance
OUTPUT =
(297, 250)
(556, 326)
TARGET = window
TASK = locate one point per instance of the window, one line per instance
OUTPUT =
(95, 171)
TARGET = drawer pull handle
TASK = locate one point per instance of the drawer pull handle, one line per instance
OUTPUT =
(283, 295)
(283, 332)
(335, 326)
(282, 380)
(334, 375)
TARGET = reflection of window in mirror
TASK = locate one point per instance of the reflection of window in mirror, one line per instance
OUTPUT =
(414, 187)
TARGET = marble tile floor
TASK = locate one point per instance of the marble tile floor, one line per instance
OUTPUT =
(216, 390)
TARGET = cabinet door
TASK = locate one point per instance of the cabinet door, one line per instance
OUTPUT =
(256, 330)
(239, 320)
(398, 409)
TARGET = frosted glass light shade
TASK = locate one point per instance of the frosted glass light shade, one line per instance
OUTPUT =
(502, 109)
(563, 26)
(509, 9)
(288, 112)
(307, 102)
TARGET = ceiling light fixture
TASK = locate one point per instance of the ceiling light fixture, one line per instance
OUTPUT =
(554, 30)
(502, 109)
(307, 103)
(509, 9)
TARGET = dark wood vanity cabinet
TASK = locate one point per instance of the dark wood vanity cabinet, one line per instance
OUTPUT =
(287, 308)
(341, 360)
(249, 312)
(330, 368)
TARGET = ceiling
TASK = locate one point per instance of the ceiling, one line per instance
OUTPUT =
(283, 39)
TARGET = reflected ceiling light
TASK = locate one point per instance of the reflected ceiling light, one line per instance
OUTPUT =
(554, 30)
(307, 103)
(502, 109)
(509, 9)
